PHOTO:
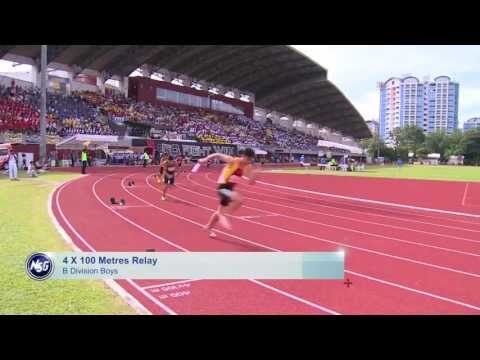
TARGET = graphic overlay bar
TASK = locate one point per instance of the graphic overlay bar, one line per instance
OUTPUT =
(197, 265)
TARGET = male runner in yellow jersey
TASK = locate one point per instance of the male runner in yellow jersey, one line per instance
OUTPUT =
(230, 200)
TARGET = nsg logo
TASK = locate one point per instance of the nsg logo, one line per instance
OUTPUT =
(39, 266)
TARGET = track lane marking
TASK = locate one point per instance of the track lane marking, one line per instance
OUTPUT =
(470, 223)
(82, 239)
(465, 195)
(291, 296)
(458, 213)
(356, 211)
(421, 292)
(170, 283)
(343, 228)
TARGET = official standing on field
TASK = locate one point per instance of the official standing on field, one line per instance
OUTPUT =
(145, 158)
(84, 160)
(12, 161)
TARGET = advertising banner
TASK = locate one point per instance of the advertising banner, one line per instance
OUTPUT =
(193, 150)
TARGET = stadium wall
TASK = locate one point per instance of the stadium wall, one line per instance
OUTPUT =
(33, 148)
(144, 89)
(81, 86)
(7, 81)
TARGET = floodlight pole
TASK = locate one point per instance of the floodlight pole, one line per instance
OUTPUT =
(43, 105)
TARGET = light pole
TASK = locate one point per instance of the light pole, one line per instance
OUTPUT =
(43, 105)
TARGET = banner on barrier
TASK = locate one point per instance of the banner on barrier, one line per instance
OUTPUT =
(193, 150)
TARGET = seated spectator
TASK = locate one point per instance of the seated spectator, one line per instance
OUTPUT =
(91, 113)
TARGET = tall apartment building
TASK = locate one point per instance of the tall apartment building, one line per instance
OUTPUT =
(471, 123)
(431, 105)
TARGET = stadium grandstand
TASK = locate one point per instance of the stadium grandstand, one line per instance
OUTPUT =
(221, 180)
(271, 98)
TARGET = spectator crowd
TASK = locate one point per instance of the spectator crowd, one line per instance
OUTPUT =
(95, 114)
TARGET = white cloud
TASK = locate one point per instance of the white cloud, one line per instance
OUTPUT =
(356, 69)
(368, 104)
(470, 97)
(469, 103)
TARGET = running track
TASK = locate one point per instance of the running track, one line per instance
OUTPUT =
(400, 260)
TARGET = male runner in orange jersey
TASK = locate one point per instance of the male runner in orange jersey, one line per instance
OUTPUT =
(230, 200)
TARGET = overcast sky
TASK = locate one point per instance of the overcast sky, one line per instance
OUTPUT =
(356, 69)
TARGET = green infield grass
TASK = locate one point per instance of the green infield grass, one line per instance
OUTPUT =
(425, 172)
(25, 227)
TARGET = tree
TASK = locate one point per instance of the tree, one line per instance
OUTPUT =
(437, 142)
(422, 152)
(408, 139)
(375, 146)
(472, 146)
(456, 144)
(371, 145)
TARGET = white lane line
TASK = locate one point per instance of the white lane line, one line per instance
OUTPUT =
(421, 292)
(375, 201)
(122, 207)
(291, 296)
(130, 221)
(399, 212)
(170, 283)
(253, 216)
(465, 195)
(200, 225)
(398, 218)
(187, 220)
(418, 291)
(347, 245)
(369, 250)
(82, 239)
(343, 228)
(352, 218)
(144, 292)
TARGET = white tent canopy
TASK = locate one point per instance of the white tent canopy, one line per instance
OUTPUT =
(331, 144)
(259, 152)
(79, 141)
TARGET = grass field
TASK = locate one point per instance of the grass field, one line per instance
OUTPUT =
(441, 172)
(25, 227)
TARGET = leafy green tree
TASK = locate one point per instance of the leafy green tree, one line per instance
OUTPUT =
(437, 142)
(422, 152)
(371, 145)
(412, 139)
(411, 136)
(375, 147)
(408, 139)
(472, 146)
(456, 144)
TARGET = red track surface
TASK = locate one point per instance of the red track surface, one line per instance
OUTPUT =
(400, 260)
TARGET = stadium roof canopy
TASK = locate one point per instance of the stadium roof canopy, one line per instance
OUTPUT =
(281, 78)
